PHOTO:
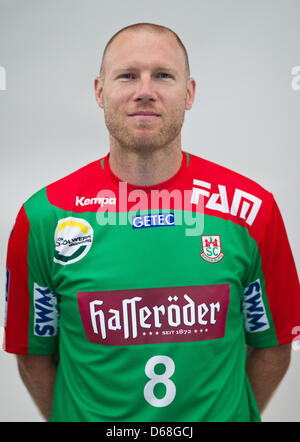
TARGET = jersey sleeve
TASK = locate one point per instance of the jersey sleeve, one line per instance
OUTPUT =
(31, 314)
(271, 301)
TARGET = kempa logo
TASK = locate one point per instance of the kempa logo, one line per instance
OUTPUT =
(82, 201)
(248, 204)
(73, 239)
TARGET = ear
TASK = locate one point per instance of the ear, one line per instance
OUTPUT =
(98, 87)
(191, 91)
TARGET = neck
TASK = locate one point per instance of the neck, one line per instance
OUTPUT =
(145, 168)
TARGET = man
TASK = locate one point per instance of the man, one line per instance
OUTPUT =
(149, 271)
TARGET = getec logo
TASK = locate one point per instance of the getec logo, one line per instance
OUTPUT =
(153, 220)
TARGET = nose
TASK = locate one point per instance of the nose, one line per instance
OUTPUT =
(145, 90)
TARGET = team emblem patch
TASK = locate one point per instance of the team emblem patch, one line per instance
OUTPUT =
(211, 246)
(73, 239)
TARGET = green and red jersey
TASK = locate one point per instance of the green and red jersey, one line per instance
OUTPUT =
(151, 294)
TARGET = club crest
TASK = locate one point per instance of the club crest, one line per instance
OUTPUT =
(211, 246)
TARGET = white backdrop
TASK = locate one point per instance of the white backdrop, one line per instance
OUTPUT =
(245, 116)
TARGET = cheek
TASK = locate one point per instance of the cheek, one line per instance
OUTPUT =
(116, 98)
(176, 106)
(174, 98)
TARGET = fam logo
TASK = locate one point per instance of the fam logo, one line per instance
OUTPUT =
(244, 205)
(73, 239)
(211, 246)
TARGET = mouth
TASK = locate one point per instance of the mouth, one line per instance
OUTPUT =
(144, 116)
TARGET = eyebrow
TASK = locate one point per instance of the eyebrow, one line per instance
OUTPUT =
(132, 69)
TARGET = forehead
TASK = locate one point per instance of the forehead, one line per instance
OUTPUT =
(144, 48)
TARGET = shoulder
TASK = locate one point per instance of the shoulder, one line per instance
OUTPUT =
(62, 193)
(223, 175)
(231, 195)
(87, 180)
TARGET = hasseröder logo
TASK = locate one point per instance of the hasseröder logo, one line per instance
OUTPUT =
(154, 315)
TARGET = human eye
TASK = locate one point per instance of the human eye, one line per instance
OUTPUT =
(127, 76)
(164, 75)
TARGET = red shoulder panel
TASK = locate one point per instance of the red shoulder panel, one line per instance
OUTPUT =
(72, 191)
(18, 299)
(205, 186)
(281, 278)
(230, 195)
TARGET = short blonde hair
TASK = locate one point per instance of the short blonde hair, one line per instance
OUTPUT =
(151, 27)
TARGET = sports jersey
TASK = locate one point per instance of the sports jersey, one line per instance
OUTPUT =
(151, 293)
